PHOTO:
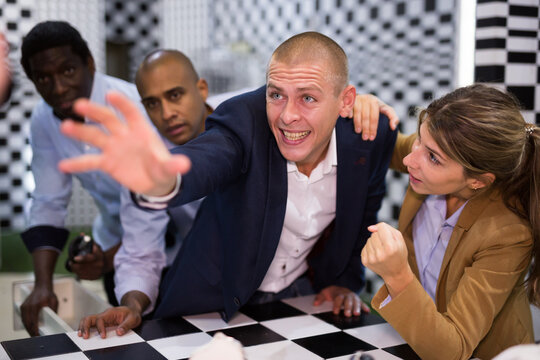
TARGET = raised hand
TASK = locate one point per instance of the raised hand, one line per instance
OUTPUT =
(5, 73)
(132, 152)
(385, 253)
(366, 112)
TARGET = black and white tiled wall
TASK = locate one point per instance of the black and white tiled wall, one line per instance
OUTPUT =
(17, 17)
(402, 51)
(508, 48)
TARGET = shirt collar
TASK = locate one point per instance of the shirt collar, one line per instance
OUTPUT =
(329, 161)
(438, 203)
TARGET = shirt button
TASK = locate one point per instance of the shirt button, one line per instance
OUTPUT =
(283, 267)
(236, 301)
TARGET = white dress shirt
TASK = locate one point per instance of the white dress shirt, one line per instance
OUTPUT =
(311, 207)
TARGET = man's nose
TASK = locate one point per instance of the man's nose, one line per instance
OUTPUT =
(290, 113)
(167, 112)
(60, 86)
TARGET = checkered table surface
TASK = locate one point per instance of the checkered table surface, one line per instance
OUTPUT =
(289, 329)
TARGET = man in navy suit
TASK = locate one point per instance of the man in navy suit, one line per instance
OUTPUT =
(278, 166)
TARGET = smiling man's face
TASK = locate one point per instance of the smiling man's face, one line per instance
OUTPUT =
(302, 107)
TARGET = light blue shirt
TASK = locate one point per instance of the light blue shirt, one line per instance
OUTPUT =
(53, 188)
(141, 258)
(431, 234)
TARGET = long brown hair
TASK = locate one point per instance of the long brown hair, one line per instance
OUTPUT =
(482, 129)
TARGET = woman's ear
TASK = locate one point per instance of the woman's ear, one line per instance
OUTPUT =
(482, 181)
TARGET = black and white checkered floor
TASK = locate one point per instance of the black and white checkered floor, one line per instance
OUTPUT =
(291, 329)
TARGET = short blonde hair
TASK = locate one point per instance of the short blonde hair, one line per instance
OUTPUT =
(315, 47)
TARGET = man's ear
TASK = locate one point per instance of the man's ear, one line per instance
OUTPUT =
(482, 181)
(202, 85)
(91, 63)
(348, 95)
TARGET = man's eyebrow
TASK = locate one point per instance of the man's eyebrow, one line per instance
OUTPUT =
(310, 88)
(148, 98)
(273, 86)
(176, 88)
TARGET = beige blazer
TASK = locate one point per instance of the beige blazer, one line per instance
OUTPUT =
(481, 307)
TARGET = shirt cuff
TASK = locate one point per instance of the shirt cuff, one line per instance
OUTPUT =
(385, 301)
(45, 236)
(159, 202)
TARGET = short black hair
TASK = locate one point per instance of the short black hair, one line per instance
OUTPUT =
(51, 34)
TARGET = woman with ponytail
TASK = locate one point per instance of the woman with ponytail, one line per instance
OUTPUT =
(458, 274)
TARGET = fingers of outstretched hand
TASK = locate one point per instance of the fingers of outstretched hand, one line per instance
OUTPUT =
(178, 163)
(132, 114)
(81, 163)
(86, 133)
(100, 114)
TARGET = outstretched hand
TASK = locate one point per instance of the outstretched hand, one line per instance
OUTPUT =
(366, 111)
(5, 72)
(132, 152)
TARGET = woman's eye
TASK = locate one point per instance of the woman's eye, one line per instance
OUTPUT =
(434, 159)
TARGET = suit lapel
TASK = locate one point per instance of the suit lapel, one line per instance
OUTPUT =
(470, 213)
(352, 183)
(276, 204)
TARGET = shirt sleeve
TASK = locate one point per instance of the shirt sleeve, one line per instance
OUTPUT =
(141, 257)
(52, 191)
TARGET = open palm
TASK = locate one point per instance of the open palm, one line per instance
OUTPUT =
(132, 152)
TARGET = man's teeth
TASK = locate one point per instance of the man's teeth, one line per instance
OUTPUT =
(295, 135)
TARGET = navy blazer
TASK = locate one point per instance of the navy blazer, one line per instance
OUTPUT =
(237, 165)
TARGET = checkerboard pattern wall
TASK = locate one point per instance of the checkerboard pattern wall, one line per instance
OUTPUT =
(17, 17)
(402, 51)
(137, 23)
(507, 50)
